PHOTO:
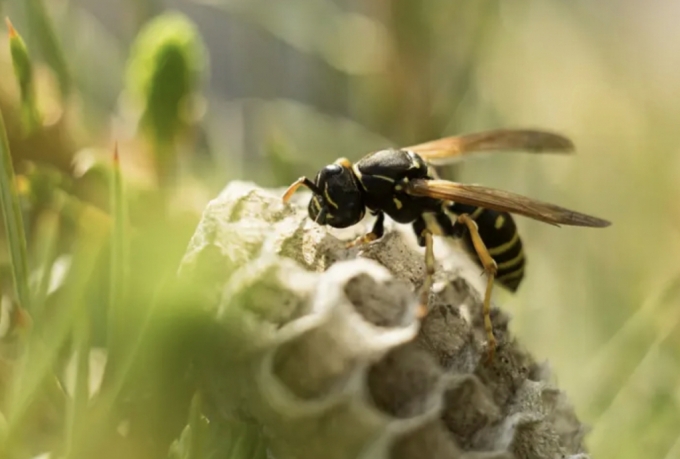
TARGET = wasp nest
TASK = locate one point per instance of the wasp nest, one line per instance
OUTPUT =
(322, 348)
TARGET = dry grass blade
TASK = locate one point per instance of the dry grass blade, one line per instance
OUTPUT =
(14, 225)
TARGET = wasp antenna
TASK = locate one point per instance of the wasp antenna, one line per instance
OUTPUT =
(302, 181)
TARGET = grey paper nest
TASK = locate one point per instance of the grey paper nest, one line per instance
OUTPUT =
(322, 348)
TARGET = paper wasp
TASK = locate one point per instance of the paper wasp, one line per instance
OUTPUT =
(403, 184)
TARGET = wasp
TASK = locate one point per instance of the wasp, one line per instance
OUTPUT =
(402, 183)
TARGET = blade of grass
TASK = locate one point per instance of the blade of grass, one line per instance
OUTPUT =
(118, 266)
(197, 425)
(670, 327)
(23, 71)
(43, 29)
(106, 399)
(666, 290)
(14, 225)
(664, 293)
(674, 451)
(38, 362)
(47, 235)
(77, 409)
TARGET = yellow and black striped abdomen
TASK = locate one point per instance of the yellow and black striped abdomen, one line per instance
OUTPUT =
(500, 235)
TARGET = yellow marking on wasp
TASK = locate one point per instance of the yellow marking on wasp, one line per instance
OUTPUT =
(478, 211)
(384, 177)
(357, 174)
(499, 249)
(513, 262)
(344, 162)
(400, 185)
(328, 198)
(500, 221)
(415, 164)
(512, 275)
(315, 201)
(397, 203)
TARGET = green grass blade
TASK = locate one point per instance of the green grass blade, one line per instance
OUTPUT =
(45, 250)
(40, 358)
(118, 265)
(77, 409)
(674, 451)
(43, 29)
(14, 226)
(23, 71)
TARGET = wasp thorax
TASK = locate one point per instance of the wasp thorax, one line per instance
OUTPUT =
(339, 202)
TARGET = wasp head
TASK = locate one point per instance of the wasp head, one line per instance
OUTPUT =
(337, 200)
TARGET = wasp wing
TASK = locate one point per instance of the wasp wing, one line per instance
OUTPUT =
(503, 201)
(452, 149)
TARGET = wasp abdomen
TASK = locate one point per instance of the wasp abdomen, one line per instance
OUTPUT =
(500, 235)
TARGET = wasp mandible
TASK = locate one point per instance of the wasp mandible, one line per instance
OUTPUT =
(403, 184)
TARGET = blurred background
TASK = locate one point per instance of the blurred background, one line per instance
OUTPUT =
(200, 92)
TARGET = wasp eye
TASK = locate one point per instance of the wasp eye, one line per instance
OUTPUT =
(333, 169)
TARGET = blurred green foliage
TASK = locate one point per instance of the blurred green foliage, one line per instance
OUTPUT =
(295, 85)
(167, 61)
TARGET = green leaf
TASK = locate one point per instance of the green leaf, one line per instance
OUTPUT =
(14, 225)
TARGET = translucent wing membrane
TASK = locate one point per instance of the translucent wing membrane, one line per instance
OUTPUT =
(504, 201)
(452, 149)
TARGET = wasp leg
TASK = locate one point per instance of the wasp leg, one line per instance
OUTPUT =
(424, 239)
(376, 232)
(490, 268)
(426, 235)
(302, 181)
